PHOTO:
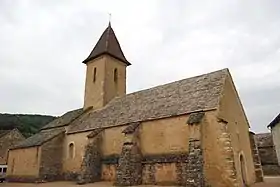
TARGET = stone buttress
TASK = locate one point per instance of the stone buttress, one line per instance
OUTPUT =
(129, 169)
(194, 173)
(91, 165)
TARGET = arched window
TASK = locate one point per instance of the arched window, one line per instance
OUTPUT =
(94, 75)
(115, 75)
(71, 150)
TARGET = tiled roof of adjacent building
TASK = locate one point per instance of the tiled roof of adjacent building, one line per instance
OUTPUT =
(107, 44)
(39, 138)
(275, 121)
(181, 97)
(4, 132)
(51, 130)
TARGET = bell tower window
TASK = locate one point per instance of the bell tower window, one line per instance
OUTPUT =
(94, 75)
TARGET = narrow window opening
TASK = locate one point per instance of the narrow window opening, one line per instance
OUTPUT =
(243, 170)
(13, 165)
(115, 75)
(94, 75)
(71, 150)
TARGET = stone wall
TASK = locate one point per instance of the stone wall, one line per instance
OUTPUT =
(163, 169)
(51, 159)
(184, 168)
(72, 164)
(237, 128)
(267, 154)
(7, 141)
(109, 171)
(175, 169)
(23, 164)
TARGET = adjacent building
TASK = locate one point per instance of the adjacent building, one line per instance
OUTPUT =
(274, 126)
(267, 154)
(191, 132)
(8, 138)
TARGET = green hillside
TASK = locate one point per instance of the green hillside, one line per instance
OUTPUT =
(28, 124)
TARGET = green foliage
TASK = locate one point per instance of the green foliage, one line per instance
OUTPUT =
(27, 124)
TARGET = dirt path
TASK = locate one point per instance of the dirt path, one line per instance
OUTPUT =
(269, 182)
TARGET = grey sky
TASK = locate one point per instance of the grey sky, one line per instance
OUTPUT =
(44, 42)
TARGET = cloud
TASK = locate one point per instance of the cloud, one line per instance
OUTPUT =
(44, 42)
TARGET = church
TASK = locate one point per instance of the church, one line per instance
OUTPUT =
(192, 132)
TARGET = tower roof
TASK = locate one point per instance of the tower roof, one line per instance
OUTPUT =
(107, 44)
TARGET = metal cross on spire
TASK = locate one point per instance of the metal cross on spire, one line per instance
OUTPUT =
(110, 16)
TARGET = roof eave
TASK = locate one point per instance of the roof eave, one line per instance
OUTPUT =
(274, 122)
(186, 113)
(38, 144)
(105, 53)
(25, 147)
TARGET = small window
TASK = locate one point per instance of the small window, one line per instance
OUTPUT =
(0, 170)
(115, 75)
(4, 170)
(71, 150)
(94, 75)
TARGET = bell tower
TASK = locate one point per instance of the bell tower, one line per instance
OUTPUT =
(106, 71)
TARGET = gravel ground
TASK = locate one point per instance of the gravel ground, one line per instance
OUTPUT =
(269, 182)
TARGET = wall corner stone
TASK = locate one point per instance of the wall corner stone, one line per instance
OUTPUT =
(256, 158)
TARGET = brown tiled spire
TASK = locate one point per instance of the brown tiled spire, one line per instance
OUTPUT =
(107, 44)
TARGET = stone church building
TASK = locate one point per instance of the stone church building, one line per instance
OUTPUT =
(191, 132)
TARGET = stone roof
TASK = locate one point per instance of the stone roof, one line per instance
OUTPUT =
(264, 140)
(181, 97)
(4, 132)
(64, 120)
(39, 138)
(107, 44)
(275, 121)
(51, 130)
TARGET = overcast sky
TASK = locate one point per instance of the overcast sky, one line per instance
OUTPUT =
(43, 44)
